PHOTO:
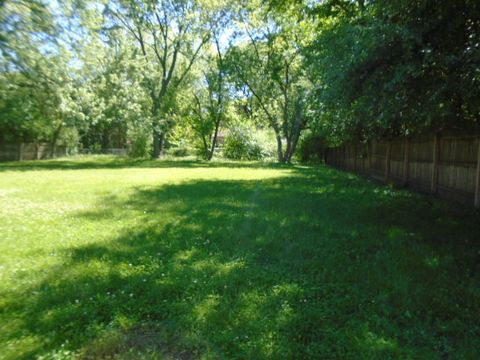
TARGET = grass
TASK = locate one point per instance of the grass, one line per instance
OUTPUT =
(115, 258)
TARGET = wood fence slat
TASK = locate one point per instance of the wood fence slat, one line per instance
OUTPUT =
(406, 161)
(387, 160)
(436, 153)
(477, 181)
(355, 157)
(448, 166)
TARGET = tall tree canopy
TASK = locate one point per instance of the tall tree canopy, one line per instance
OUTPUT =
(137, 74)
(169, 36)
(396, 67)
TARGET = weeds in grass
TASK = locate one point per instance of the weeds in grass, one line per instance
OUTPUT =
(199, 261)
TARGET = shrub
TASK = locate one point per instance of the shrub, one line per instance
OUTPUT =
(179, 148)
(242, 144)
(311, 147)
(181, 151)
(139, 143)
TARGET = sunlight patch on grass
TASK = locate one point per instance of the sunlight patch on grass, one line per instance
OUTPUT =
(108, 257)
(5, 192)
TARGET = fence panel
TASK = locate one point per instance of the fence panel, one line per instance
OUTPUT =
(420, 164)
(444, 164)
(397, 158)
(9, 152)
(457, 167)
(30, 151)
(379, 155)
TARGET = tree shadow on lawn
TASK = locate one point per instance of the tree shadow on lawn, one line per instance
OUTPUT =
(116, 162)
(320, 264)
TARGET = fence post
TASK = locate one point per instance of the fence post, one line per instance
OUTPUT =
(477, 183)
(436, 155)
(387, 160)
(406, 161)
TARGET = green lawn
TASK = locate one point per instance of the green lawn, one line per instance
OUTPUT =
(185, 260)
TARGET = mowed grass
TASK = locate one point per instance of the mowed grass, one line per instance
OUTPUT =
(114, 258)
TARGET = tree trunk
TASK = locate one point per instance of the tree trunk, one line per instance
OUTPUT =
(55, 136)
(156, 143)
(288, 150)
(293, 143)
(279, 148)
(161, 143)
(205, 148)
(294, 135)
(156, 133)
(214, 140)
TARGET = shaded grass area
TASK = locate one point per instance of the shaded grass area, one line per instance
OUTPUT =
(247, 261)
(83, 162)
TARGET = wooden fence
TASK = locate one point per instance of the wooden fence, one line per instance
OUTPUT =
(447, 165)
(29, 151)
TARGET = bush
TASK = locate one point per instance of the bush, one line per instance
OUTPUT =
(179, 148)
(181, 151)
(139, 143)
(311, 147)
(242, 144)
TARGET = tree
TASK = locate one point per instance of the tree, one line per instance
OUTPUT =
(37, 86)
(114, 102)
(207, 107)
(169, 35)
(268, 66)
(389, 68)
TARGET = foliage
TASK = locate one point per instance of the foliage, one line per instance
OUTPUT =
(181, 151)
(311, 147)
(395, 67)
(117, 72)
(181, 147)
(217, 260)
(268, 68)
(206, 108)
(242, 143)
(114, 103)
(37, 90)
(168, 35)
(140, 142)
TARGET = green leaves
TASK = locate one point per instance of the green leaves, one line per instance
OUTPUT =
(266, 66)
(394, 67)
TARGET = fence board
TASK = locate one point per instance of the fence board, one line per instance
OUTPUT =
(435, 156)
(446, 164)
(29, 151)
(477, 182)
